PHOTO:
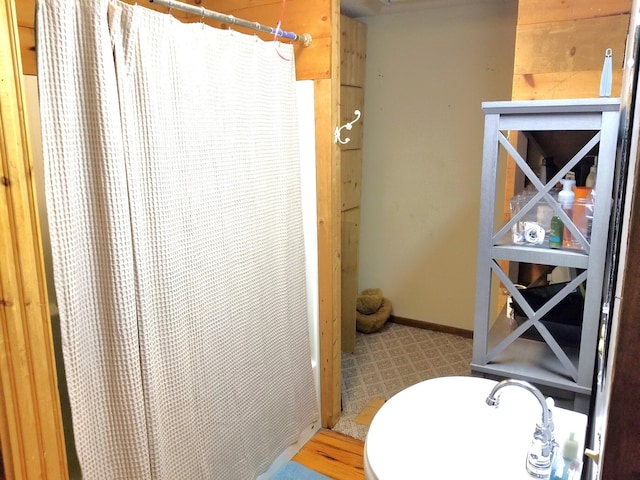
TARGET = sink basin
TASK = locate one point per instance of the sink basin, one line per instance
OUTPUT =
(443, 428)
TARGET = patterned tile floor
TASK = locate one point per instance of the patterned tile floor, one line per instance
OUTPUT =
(391, 360)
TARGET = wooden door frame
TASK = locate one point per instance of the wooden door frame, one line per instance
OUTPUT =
(30, 420)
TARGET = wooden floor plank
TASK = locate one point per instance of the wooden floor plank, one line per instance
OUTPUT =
(334, 455)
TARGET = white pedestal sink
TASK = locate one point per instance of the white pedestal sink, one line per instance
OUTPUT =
(443, 429)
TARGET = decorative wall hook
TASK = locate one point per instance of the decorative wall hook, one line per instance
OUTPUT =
(349, 125)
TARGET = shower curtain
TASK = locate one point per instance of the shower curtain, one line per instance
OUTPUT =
(173, 191)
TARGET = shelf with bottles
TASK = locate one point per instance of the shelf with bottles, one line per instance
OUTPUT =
(543, 226)
(520, 140)
(544, 214)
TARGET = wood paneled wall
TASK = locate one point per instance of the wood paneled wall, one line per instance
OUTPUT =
(300, 16)
(560, 47)
(30, 419)
(353, 46)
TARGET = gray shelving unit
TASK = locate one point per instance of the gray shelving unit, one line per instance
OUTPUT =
(499, 350)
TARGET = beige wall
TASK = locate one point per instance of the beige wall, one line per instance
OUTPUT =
(427, 74)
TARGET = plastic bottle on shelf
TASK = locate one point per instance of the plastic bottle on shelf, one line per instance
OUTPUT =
(556, 232)
(566, 198)
(566, 465)
(582, 210)
(591, 178)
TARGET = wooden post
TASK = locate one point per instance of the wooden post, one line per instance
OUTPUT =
(327, 107)
(30, 419)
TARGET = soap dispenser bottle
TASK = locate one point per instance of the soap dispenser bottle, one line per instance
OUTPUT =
(566, 466)
(566, 197)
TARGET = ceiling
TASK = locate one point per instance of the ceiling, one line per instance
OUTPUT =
(366, 8)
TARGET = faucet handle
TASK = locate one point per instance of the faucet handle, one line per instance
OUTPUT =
(543, 447)
(551, 426)
(541, 453)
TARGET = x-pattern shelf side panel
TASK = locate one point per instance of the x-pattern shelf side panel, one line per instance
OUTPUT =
(543, 190)
(534, 317)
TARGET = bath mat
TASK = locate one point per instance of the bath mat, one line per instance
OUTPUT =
(295, 471)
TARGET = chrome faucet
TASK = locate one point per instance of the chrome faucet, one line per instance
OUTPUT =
(541, 453)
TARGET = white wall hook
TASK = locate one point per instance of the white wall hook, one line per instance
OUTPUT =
(349, 125)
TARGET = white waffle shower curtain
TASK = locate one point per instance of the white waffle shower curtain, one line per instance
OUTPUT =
(173, 193)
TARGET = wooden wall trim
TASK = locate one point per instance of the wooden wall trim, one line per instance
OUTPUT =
(328, 259)
(435, 327)
(32, 433)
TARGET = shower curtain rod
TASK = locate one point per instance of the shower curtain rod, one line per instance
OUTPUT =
(305, 38)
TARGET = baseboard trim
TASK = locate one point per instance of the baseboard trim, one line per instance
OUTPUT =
(410, 322)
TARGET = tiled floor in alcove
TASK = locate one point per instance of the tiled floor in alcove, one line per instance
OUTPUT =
(391, 360)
